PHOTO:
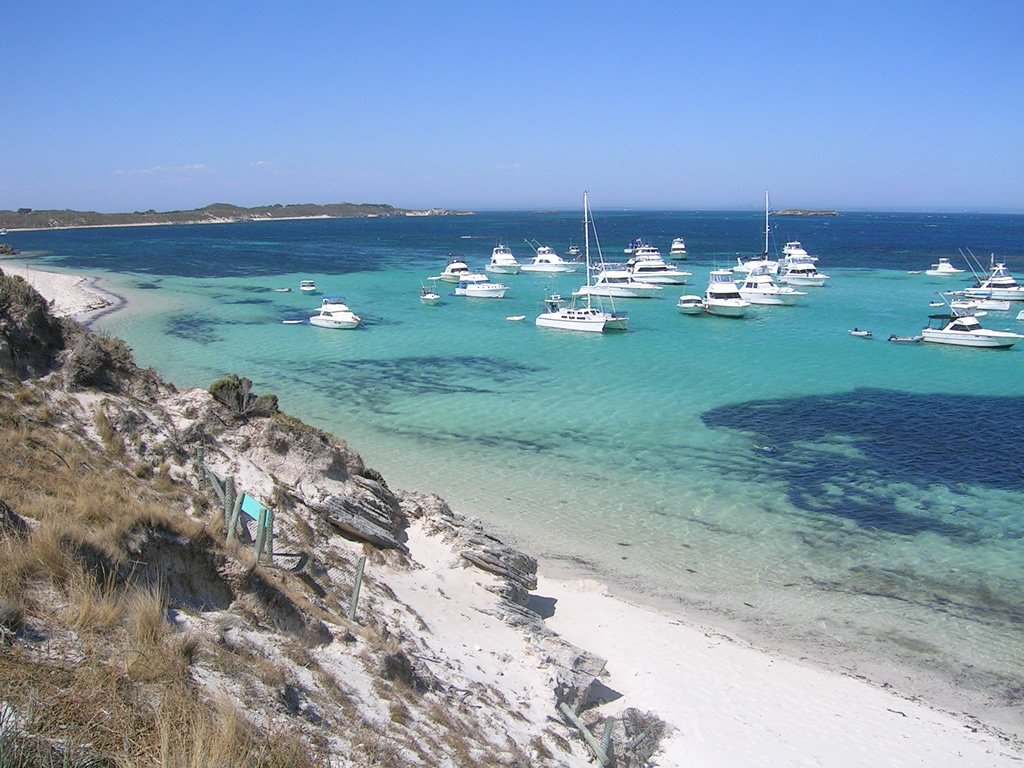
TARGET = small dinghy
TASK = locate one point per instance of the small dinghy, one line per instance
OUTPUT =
(293, 321)
(516, 318)
(906, 339)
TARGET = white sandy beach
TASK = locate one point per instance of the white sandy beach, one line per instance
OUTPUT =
(729, 704)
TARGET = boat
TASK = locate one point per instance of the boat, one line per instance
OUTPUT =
(764, 262)
(574, 250)
(546, 260)
(307, 286)
(944, 268)
(453, 271)
(293, 321)
(967, 331)
(515, 318)
(759, 287)
(478, 286)
(803, 272)
(690, 304)
(576, 317)
(678, 249)
(334, 313)
(429, 295)
(999, 285)
(906, 339)
(647, 266)
(636, 242)
(722, 297)
(282, 290)
(861, 333)
(795, 250)
(502, 262)
(618, 284)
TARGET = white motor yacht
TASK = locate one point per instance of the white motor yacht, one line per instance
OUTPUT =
(503, 261)
(803, 272)
(999, 285)
(944, 268)
(453, 271)
(722, 297)
(966, 331)
(478, 286)
(335, 313)
(618, 284)
(759, 287)
(546, 260)
(678, 249)
(762, 262)
(794, 250)
(307, 286)
(690, 304)
(648, 267)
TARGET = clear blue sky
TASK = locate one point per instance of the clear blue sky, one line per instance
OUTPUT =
(879, 105)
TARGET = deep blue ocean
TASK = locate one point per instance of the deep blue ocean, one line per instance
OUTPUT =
(848, 500)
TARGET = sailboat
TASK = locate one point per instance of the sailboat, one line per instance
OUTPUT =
(762, 262)
(586, 317)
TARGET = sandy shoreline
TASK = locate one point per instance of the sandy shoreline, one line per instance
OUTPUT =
(731, 704)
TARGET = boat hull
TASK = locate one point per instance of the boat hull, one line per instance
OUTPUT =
(642, 291)
(990, 340)
(998, 294)
(503, 269)
(726, 308)
(548, 268)
(334, 322)
(780, 299)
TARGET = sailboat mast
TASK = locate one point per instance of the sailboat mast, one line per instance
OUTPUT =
(766, 223)
(586, 239)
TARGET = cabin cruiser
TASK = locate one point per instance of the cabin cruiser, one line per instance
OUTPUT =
(335, 313)
(478, 286)
(944, 268)
(761, 262)
(546, 260)
(307, 286)
(759, 287)
(618, 284)
(999, 285)
(646, 267)
(578, 318)
(690, 304)
(453, 271)
(794, 250)
(502, 262)
(802, 271)
(966, 331)
(678, 249)
(722, 297)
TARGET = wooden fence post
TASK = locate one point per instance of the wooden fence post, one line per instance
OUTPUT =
(236, 508)
(355, 588)
(270, 534)
(261, 532)
(595, 746)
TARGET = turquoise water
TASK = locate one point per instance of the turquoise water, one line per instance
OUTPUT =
(840, 497)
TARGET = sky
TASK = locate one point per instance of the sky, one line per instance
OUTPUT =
(480, 105)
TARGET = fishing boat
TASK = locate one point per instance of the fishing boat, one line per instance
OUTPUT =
(334, 313)
(722, 297)
(677, 250)
(585, 316)
(477, 286)
(967, 331)
(944, 268)
(999, 285)
(759, 287)
(307, 286)
(503, 261)
(546, 260)
(690, 304)
(647, 266)
(860, 333)
(453, 270)
(429, 295)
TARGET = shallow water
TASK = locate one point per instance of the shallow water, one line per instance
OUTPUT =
(846, 495)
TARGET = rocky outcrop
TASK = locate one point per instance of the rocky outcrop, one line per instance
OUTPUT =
(30, 337)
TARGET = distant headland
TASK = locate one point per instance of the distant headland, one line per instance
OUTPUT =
(218, 213)
(803, 212)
